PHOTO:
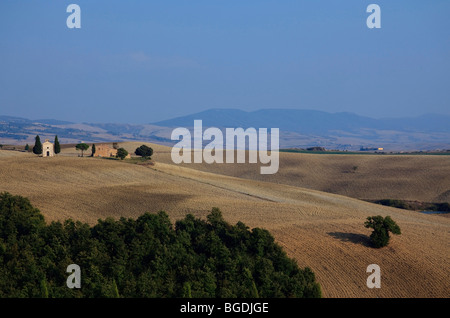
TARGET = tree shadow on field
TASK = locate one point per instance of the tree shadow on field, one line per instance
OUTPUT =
(352, 237)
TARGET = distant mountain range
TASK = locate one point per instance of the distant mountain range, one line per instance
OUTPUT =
(310, 121)
(298, 129)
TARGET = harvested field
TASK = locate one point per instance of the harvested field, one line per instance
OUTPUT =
(424, 178)
(321, 230)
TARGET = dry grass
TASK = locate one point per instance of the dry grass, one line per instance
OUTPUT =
(406, 177)
(321, 230)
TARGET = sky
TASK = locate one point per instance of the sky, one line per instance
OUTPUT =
(145, 61)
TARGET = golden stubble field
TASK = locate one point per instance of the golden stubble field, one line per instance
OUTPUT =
(408, 177)
(321, 230)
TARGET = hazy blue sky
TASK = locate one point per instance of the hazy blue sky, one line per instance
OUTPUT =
(144, 61)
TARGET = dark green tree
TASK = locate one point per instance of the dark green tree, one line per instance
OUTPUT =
(122, 153)
(44, 289)
(144, 151)
(146, 257)
(381, 228)
(186, 290)
(93, 150)
(115, 290)
(27, 147)
(249, 284)
(83, 147)
(56, 146)
(37, 149)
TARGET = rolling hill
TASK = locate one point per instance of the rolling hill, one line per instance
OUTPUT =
(366, 177)
(306, 128)
(309, 121)
(321, 230)
(298, 129)
(404, 177)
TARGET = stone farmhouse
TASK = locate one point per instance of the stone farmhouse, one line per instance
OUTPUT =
(104, 150)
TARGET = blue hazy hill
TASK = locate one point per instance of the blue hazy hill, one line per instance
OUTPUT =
(309, 121)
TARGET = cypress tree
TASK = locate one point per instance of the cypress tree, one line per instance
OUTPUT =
(93, 150)
(37, 149)
(57, 146)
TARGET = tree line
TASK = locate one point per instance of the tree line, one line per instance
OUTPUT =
(144, 257)
(144, 151)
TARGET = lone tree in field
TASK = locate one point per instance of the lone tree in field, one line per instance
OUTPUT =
(381, 228)
(122, 153)
(27, 147)
(144, 151)
(37, 149)
(83, 147)
(56, 146)
(93, 150)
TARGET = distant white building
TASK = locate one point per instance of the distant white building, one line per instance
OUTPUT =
(47, 149)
